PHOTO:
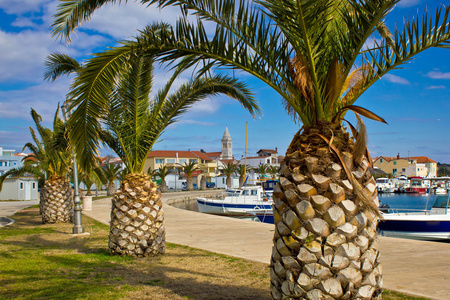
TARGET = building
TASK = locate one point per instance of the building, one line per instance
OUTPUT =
(265, 156)
(421, 166)
(10, 160)
(16, 188)
(20, 188)
(174, 159)
(227, 146)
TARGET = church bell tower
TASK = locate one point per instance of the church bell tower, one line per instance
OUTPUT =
(227, 145)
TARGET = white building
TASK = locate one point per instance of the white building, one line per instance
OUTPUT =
(20, 188)
(9, 160)
(265, 156)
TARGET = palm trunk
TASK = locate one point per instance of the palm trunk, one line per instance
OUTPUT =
(163, 186)
(228, 181)
(137, 218)
(325, 223)
(111, 189)
(203, 183)
(189, 185)
(56, 204)
(241, 180)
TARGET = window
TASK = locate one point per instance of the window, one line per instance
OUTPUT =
(159, 160)
(245, 192)
(182, 161)
(254, 192)
(170, 160)
(395, 163)
(381, 160)
(403, 170)
(193, 160)
(394, 171)
(1, 163)
(21, 185)
(34, 185)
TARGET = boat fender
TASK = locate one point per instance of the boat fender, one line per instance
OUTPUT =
(265, 199)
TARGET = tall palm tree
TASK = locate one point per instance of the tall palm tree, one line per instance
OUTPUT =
(189, 168)
(241, 170)
(111, 173)
(261, 169)
(162, 173)
(273, 170)
(229, 169)
(320, 56)
(122, 115)
(49, 161)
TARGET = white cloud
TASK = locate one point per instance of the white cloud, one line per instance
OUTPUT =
(396, 79)
(438, 75)
(408, 3)
(22, 6)
(435, 87)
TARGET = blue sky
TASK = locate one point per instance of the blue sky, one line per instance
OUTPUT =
(414, 100)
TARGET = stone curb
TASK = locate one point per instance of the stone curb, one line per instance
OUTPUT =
(5, 221)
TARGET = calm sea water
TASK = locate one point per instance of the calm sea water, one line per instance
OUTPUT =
(395, 201)
(410, 201)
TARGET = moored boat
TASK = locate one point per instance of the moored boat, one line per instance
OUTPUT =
(238, 204)
(433, 224)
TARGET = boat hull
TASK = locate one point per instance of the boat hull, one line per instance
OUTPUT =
(221, 207)
(416, 226)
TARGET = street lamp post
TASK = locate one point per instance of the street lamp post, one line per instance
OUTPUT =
(78, 227)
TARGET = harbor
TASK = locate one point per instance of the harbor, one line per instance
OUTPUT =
(413, 267)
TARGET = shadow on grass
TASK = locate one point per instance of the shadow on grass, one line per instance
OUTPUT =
(43, 262)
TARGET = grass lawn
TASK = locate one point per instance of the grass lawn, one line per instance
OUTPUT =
(46, 262)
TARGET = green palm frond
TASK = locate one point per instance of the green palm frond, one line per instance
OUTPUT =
(59, 64)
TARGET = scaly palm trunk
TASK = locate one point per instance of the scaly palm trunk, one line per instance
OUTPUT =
(203, 183)
(241, 180)
(56, 205)
(137, 218)
(163, 186)
(325, 224)
(228, 182)
(189, 184)
(111, 190)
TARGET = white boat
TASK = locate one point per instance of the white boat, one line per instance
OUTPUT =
(246, 198)
(433, 224)
(384, 185)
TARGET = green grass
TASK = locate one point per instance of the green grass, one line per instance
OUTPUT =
(40, 261)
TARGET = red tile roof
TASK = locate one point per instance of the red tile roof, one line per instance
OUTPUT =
(181, 154)
(213, 154)
(419, 159)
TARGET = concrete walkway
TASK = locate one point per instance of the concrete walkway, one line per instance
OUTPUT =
(8, 208)
(413, 267)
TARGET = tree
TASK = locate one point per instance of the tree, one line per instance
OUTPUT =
(229, 169)
(241, 170)
(320, 56)
(121, 114)
(274, 171)
(261, 169)
(111, 173)
(162, 173)
(189, 168)
(49, 161)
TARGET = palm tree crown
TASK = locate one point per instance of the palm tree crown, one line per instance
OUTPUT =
(313, 53)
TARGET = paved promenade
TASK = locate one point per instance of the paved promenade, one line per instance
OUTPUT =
(414, 267)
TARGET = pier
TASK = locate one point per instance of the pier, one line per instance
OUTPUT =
(418, 268)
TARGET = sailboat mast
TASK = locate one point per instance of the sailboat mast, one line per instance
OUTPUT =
(245, 153)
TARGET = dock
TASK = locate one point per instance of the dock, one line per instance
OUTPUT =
(418, 268)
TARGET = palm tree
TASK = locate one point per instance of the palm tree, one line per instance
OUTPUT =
(229, 169)
(261, 169)
(189, 168)
(162, 173)
(320, 56)
(111, 173)
(121, 114)
(241, 170)
(49, 161)
(273, 170)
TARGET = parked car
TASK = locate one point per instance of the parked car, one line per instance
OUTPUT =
(184, 186)
(210, 185)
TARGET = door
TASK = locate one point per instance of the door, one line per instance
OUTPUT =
(27, 190)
